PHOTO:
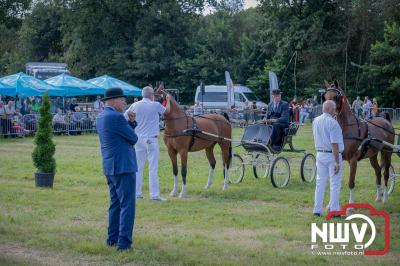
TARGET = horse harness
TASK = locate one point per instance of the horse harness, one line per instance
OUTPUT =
(365, 141)
(194, 131)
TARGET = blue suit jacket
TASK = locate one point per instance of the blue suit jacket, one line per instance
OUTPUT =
(281, 113)
(117, 138)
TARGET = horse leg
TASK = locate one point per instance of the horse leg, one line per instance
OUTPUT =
(385, 164)
(352, 184)
(173, 156)
(211, 160)
(226, 157)
(184, 156)
(377, 168)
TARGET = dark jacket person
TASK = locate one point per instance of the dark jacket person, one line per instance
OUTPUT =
(117, 137)
(278, 116)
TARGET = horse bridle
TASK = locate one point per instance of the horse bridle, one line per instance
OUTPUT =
(339, 97)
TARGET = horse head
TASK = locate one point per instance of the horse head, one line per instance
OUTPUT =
(160, 95)
(335, 93)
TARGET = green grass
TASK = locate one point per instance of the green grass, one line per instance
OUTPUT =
(250, 223)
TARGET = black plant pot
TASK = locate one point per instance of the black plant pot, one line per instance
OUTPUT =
(44, 179)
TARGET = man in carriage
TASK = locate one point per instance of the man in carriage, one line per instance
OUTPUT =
(278, 117)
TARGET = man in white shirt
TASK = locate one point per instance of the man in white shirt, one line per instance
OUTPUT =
(328, 140)
(98, 105)
(148, 114)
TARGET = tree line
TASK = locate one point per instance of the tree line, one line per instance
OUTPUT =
(185, 42)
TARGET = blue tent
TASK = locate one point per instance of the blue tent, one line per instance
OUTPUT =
(107, 82)
(6, 90)
(73, 86)
(23, 86)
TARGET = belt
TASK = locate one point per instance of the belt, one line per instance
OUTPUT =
(327, 151)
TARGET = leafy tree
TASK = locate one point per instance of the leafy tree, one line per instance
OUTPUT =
(384, 68)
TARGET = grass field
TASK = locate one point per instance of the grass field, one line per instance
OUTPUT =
(251, 223)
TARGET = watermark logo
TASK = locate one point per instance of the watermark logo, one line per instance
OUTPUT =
(349, 237)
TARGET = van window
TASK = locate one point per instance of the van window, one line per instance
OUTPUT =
(250, 96)
(239, 97)
(213, 97)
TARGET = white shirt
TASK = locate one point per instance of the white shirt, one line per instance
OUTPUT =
(326, 130)
(98, 105)
(147, 117)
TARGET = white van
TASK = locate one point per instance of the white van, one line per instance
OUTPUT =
(216, 96)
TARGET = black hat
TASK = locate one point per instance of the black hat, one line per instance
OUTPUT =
(276, 92)
(112, 93)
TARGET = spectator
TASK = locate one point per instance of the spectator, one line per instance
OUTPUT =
(59, 123)
(17, 124)
(9, 113)
(367, 108)
(310, 109)
(197, 109)
(26, 107)
(303, 112)
(78, 121)
(35, 106)
(55, 104)
(293, 110)
(3, 119)
(135, 100)
(357, 106)
(374, 107)
(73, 105)
(98, 105)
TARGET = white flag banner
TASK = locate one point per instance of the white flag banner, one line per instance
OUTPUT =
(273, 84)
(229, 85)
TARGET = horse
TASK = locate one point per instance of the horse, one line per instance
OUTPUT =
(358, 140)
(184, 133)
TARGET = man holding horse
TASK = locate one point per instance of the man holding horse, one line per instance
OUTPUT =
(278, 116)
(328, 140)
(148, 114)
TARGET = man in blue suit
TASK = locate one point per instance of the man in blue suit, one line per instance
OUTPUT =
(117, 137)
(278, 117)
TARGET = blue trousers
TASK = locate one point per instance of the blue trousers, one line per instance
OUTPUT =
(121, 214)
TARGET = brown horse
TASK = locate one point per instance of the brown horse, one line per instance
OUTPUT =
(356, 132)
(183, 134)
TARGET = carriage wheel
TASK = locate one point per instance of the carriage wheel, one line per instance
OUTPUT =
(236, 169)
(308, 169)
(392, 177)
(280, 172)
(261, 165)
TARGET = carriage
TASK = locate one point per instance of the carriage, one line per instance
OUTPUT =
(267, 160)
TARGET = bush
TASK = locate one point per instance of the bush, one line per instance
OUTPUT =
(44, 146)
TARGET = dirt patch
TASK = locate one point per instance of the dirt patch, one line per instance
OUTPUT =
(34, 256)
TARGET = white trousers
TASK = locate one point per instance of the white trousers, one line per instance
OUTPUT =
(147, 148)
(325, 168)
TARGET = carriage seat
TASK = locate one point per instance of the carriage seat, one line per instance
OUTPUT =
(259, 133)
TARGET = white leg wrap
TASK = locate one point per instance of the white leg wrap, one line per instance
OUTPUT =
(210, 178)
(183, 193)
(378, 193)
(385, 194)
(226, 179)
(174, 191)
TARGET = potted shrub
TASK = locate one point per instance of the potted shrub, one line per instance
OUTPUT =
(44, 147)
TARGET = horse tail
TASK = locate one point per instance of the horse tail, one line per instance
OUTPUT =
(226, 117)
(385, 115)
(230, 145)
